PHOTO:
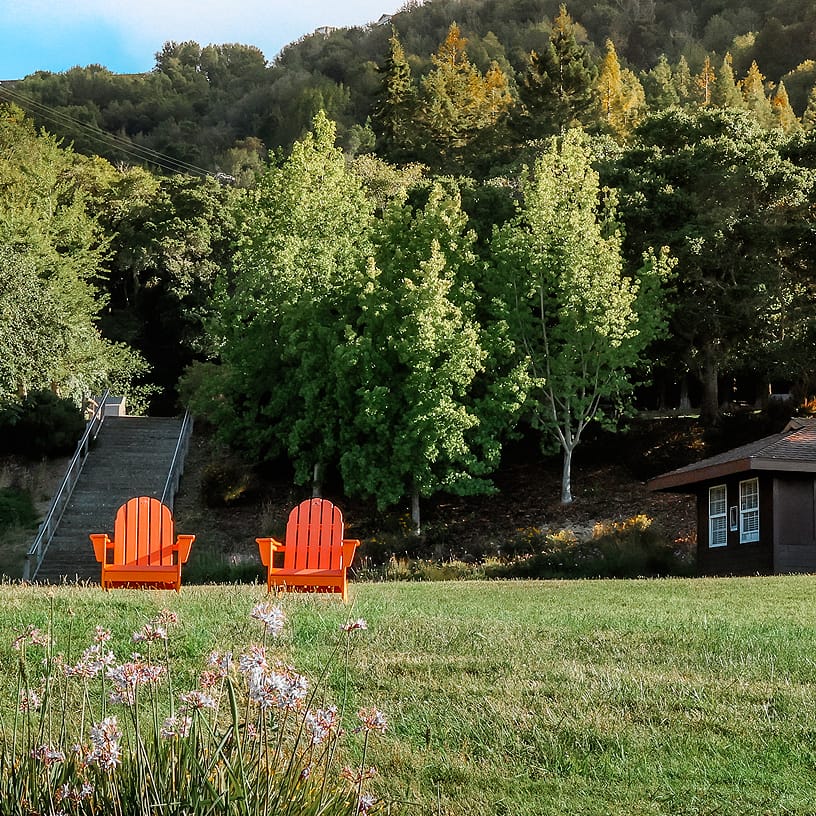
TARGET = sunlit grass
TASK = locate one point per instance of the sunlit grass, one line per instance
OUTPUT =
(586, 697)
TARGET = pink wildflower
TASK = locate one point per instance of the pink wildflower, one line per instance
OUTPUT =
(93, 660)
(350, 626)
(284, 688)
(150, 632)
(271, 616)
(166, 617)
(197, 701)
(30, 700)
(32, 635)
(106, 752)
(48, 755)
(359, 776)
(253, 661)
(178, 726)
(366, 802)
(101, 635)
(321, 723)
(128, 677)
(372, 720)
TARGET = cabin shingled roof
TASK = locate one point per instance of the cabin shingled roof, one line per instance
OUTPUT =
(793, 449)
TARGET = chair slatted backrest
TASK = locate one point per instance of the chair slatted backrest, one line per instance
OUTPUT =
(314, 536)
(143, 533)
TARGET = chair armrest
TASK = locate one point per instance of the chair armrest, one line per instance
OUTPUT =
(350, 546)
(267, 546)
(183, 544)
(100, 542)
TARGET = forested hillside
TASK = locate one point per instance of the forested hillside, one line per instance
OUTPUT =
(395, 248)
(221, 107)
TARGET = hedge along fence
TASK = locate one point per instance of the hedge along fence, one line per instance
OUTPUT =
(96, 734)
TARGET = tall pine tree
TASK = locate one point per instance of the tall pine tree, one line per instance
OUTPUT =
(558, 89)
(395, 110)
(755, 98)
(726, 93)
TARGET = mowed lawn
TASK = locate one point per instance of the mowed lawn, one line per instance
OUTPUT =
(587, 697)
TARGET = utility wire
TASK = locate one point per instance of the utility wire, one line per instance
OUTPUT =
(126, 146)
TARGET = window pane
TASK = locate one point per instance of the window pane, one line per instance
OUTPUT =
(716, 500)
(749, 495)
(718, 532)
(749, 510)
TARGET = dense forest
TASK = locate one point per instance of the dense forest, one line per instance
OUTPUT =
(393, 248)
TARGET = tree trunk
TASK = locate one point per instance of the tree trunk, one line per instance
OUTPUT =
(566, 476)
(710, 406)
(317, 481)
(685, 400)
(415, 512)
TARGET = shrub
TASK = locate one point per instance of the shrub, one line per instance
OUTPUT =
(42, 425)
(625, 549)
(16, 509)
(226, 483)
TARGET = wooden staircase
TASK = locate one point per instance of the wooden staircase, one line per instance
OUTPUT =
(132, 456)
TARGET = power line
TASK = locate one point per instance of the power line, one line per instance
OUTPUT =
(137, 152)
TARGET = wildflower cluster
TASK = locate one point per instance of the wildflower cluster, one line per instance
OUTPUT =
(33, 635)
(264, 745)
(105, 749)
(128, 677)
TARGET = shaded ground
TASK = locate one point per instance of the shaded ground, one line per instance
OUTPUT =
(227, 504)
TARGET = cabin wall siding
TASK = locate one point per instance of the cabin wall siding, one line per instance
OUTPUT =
(736, 558)
(794, 523)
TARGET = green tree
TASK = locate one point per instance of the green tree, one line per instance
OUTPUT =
(726, 93)
(172, 237)
(557, 91)
(683, 82)
(579, 322)
(394, 116)
(304, 240)
(658, 86)
(49, 228)
(721, 192)
(32, 329)
(415, 357)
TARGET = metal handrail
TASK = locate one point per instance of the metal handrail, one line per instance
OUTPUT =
(36, 552)
(177, 463)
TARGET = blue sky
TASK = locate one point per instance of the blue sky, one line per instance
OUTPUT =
(124, 35)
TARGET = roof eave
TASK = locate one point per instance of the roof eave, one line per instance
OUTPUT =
(677, 480)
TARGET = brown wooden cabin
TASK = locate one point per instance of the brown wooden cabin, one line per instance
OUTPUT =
(756, 504)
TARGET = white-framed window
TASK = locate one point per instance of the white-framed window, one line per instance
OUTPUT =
(749, 510)
(717, 517)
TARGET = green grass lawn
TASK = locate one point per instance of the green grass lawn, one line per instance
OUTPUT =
(586, 697)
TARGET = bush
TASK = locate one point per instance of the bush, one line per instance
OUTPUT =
(16, 509)
(42, 425)
(632, 548)
(627, 549)
(227, 483)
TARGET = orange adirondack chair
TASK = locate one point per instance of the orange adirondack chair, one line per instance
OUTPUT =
(144, 551)
(315, 554)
